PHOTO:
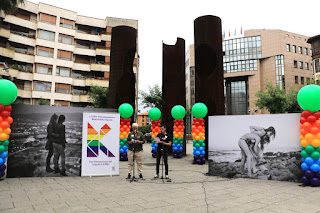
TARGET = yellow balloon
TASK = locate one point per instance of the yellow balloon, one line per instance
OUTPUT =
(304, 143)
(4, 136)
(121, 136)
(301, 137)
(7, 131)
(309, 137)
(203, 138)
(315, 143)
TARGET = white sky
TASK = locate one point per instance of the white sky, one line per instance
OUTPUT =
(161, 21)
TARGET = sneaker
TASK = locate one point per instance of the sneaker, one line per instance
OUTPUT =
(167, 176)
(63, 173)
(140, 176)
(56, 170)
(156, 176)
(48, 169)
(129, 176)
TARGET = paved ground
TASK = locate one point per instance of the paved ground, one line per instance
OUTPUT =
(190, 191)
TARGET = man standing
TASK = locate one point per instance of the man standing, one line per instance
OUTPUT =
(162, 150)
(59, 144)
(135, 140)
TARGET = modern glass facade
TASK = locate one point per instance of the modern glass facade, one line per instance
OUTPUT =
(240, 66)
(279, 62)
(237, 100)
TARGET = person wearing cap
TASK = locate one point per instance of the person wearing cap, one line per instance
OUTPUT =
(162, 150)
(135, 140)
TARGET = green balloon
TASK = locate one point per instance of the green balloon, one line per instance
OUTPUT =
(199, 110)
(203, 144)
(124, 140)
(309, 149)
(121, 143)
(178, 112)
(303, 148)
(315, 155)
(154, 114)
(308, 97)
(197, 145)
(9, 92)
(5, 143)
(2, 148)
(6, 148)
(318, 149)
(304, 154)
(125, 110)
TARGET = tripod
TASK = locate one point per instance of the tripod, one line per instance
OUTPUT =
(133, 161)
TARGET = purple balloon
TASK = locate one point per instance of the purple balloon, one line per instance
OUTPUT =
(308, 173)
(2, 167)
(175, 155)
(318, 174)
(305, 180)
(315, 182)
(201, 156)
(198, 161)
(2, 173)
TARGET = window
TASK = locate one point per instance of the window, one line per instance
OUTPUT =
(44, 51)
(279, 61)
(295, 64)
(294, 49)
(83, 44)
(64, 55)
(296, 79)
(302, 80)
(317, 65)
(65, 39)
(49, 19)
(62, 88)
(301, 65)
(306, 65)
(306, 51)
(66, 23)
(61, 103)
(42, 86)
(310, 52)
(300, 50)
(82, 59)
(293, 36)
(288, 47)
(315, 47)
(44, 69)
(61, 71)
(41, 101)
(47, 35)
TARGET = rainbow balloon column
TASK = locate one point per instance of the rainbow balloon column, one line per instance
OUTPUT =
(155, 115)
(126, 111)
(199, 111)
(308, 99)
(178, 112)
(9, 93)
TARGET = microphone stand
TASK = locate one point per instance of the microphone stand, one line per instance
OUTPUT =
(133, 161)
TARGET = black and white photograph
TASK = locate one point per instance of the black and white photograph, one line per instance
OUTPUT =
(46, 140)
(255, 146)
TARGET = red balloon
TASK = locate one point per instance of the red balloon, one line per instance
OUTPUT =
(317, 124)
(8, 108)
(306, 126)
(4, 125)
(306, 113)
(311, 119)
(302, 120)
(129, 119)
(4, 114)
(121, 123)
(317, 114)
(128, 123)
(303, 132)
(196, 123)
(1, 107)
(314, 130)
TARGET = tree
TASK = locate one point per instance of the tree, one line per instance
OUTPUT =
(98, 96)
(292, 105)
(145, 129)
(10, 6)
(153, 98)
(43, 101)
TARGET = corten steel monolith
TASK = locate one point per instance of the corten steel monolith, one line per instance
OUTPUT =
(209, 67)
(122, 79)
(173, 82)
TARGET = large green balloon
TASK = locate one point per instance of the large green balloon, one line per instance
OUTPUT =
(9, 92)
(178, 112)
(199, 110)
(308, 97)
(125, 110)
(154, 114)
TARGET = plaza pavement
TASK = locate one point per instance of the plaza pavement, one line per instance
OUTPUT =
(190, 191)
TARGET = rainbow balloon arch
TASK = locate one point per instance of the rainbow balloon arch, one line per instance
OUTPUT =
(9, 93)
(126, 111)
(154, 115)
(308, 99)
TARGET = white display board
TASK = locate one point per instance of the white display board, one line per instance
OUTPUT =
(100, 144)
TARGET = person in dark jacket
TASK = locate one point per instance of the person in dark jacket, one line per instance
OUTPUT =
(59, 145)
(50, 138)
(162, 150)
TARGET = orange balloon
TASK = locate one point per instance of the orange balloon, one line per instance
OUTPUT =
(121, 136)
(4, 136)
(306, 126)
(301, 137)
(318, 136)
(197, 138)
(203, 138)
(314, 130)
(304, 143)
(201, 134)
(317, 124)
(4, 125)
(1, 119)
(315, 143)
(7, 131)
(303, 132)
(197, 131)
(309, 137)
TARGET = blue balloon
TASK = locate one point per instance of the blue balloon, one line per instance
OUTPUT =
(121, 151)
(309, 161)
(175, 148)
(203, 153)
(153, 148)
(315, 167)
(201, 149)
(156, 145)
(318, 161)
(194, 153)
(125, 147)
(302, 159)
(197, 153)
(180, 149)
(1, 161)
(194, 148)
(4, 154)
(304, 166)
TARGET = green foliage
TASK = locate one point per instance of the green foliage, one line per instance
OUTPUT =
(275, 100)
(145, 129)
(98, 96)
(44, 101)
(153, 98)
(10, 6)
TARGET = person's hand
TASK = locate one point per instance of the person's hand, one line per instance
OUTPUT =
(129, 142)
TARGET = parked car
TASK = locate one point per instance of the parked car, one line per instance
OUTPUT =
(148, 137)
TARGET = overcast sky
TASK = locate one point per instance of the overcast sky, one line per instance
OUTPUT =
(162, 21)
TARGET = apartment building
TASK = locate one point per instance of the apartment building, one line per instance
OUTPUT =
(143, 119)
(55, 55)
(281, 57)
(315, 43)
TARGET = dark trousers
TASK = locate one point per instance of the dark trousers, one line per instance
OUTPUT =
(165, 158)
(49, 156)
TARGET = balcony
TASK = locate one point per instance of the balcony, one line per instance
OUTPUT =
(21, 74)
(64, 63)
(6, 52)
(105, 37)
(62, 96)
(22, 38)
(67, 31)
(21, 22)
(79, 82)
(67, 47)
(46, 26)
(24, 57)
(42, 77)
(24, 93)
(63, 80)
(83, 51)
(88, 37)
(100, 67)
(84, 98)
(40, 94)
(43, 59)
(103, 52)
(4, 33)
(82, 67)
(45, 43)
(97, 82)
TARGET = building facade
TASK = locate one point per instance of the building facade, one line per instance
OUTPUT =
(315, 43)
(143, 119)
(55, 55)
(284, 58)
